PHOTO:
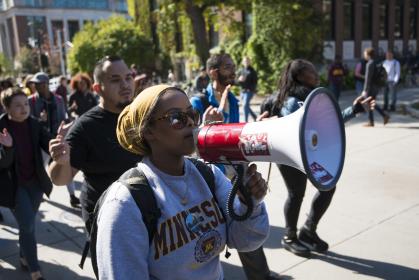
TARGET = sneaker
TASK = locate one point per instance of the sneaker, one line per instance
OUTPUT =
(273, 276)
(293, 245)
(312, 241)
(369, 125)
(386, 119)
(23, 264)
(74, 201)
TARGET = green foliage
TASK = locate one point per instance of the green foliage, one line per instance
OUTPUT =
(114, 36)
(235, 49)
(27, 61)
(6, 66)
(139, 10)
(282, 31)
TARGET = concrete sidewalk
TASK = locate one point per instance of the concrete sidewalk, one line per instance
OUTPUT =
(371, 226)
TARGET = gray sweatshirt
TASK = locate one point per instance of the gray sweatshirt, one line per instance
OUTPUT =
(178, 250)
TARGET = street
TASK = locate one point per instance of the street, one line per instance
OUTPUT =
(371, 226)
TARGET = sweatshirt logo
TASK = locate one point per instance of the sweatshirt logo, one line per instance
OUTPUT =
(173, 233)
(208, 244)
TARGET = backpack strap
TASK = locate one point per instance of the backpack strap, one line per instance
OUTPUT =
(207, 173)
(137, 184)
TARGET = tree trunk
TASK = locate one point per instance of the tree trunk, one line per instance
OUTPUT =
(195, 13)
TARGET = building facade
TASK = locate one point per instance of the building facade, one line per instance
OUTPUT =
(353, 25)
(48, 24)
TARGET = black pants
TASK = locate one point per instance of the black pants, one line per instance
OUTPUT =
(296, 182)
(376, 108)
(254, 264)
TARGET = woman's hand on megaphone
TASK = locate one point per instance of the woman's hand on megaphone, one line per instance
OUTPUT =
(265, 116)
(211, 114)
(255, 183)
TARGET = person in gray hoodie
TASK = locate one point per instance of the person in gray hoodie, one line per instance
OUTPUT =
(159, 126)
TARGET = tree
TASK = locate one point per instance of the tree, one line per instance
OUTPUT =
(175, 17)
(114, 36)
(282, 31)
(27, 61)
(6, 66)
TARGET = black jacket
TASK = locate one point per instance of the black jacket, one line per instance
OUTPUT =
(8, 162)
(250, 79)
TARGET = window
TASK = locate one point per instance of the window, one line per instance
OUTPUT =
(348, 20)
(121, 6)
(37, 30)
(413, 19)
(366, 19)
(33, 3)
(383, 28)
(329, 18)
(398, 26)
(57, 25)
(91, 4)
(73, 28)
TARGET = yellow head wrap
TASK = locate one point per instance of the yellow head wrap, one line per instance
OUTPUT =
(132, 120)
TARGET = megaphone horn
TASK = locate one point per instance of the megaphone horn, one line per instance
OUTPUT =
(312, 139)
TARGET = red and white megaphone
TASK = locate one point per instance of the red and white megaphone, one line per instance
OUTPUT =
(312, 139)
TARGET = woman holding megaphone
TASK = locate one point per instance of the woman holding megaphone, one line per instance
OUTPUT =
(191, 230)
(297, 81)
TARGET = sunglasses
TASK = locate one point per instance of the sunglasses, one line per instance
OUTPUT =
(179, 119)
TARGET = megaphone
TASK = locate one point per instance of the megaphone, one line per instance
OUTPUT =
(312, 139)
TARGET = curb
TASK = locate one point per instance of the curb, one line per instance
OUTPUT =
(412, 111)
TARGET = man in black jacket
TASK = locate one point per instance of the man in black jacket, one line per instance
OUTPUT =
(248, 81)
(370, 86)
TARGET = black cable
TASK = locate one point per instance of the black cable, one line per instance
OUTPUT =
(238, 185)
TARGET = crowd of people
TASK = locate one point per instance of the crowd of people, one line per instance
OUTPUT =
(179, 231)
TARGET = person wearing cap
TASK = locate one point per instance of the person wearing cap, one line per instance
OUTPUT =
(45, 105)
(158, 126)
(50, 110)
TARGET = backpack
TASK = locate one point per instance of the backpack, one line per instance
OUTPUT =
(143, 195)
(379, 77)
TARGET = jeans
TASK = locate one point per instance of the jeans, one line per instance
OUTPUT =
(247, 96)
(296, 182)
(28, 199)
(359, 87)
(391, 90)
(336, 88)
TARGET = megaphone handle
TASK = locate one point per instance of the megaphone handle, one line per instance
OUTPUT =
(238, 184)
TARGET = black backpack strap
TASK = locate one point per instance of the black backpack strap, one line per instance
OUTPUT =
(207, 173)
(137, 184)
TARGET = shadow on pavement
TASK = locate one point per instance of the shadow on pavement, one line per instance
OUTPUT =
(72, 210)
(232, 272)
(274, 239)
(50, 271)
(381, 270)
